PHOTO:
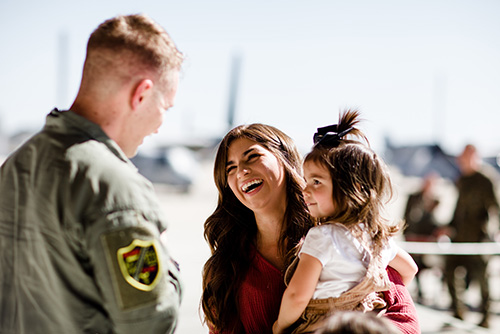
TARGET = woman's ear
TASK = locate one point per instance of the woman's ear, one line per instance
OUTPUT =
(141, 91)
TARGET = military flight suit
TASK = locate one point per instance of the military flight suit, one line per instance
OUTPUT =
(80, 247)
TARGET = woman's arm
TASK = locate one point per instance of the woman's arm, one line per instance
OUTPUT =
(299, 292)
(405, 265)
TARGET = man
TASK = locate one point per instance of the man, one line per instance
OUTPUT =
(80, 247)
(476, 202)
(421, 224)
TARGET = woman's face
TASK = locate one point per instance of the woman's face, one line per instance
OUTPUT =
(255, 176)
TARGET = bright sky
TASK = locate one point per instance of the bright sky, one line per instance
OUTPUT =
(420, 71)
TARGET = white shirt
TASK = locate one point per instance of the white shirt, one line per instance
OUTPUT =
(343, 257)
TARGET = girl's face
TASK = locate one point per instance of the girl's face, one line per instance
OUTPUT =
(255, 176)
(318, 190)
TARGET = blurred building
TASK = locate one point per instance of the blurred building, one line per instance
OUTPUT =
(421, 160)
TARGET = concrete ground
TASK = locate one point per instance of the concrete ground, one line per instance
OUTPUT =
(433, 310)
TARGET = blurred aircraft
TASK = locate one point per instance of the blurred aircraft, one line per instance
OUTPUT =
(174, 166)
(175, 162)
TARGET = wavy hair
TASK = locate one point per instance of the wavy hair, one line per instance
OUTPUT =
(360, 181)
(231, 229)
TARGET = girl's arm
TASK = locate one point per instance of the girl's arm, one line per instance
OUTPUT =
(405, 265)
(299, 292)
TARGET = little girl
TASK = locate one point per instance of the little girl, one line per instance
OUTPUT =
(342, 261)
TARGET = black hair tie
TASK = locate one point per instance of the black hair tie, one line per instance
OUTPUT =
(328, 136)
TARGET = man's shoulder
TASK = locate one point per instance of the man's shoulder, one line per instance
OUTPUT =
(92, 155)
(94, 161)
(114, 183)
(90, 152)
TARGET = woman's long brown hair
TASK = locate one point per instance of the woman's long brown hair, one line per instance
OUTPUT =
(231, 229)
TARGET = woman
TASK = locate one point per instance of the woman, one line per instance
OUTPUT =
(260, 218)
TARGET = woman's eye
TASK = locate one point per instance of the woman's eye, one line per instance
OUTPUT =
(316, 182)
(253, 156)
(230, 169)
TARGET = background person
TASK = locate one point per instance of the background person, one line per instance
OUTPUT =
(475, 204)
(80, 228)
(419, 212)
(421, 223)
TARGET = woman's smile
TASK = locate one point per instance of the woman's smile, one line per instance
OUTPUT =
(252, 186)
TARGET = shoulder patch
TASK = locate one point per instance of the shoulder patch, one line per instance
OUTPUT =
(135, 263)
(139, 264)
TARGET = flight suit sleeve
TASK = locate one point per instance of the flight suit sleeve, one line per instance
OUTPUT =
(138, 280)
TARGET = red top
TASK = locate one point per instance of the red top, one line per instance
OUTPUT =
(401, 309)
(260, 296)
(262, 289)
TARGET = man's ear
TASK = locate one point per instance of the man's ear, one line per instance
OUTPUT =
(142, 89)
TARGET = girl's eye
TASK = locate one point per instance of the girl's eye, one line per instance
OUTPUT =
(316, 182)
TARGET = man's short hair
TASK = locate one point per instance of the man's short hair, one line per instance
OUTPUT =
(138, 41)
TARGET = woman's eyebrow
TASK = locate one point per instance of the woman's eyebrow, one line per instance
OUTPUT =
(248, 151)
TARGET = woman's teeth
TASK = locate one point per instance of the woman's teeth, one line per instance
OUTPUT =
(247, 187)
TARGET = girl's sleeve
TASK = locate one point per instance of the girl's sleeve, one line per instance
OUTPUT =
(389, 252)
(318, 245)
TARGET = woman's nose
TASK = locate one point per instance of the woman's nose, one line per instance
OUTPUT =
(243, 170)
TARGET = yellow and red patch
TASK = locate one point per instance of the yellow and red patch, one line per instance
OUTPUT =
(139, 264)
